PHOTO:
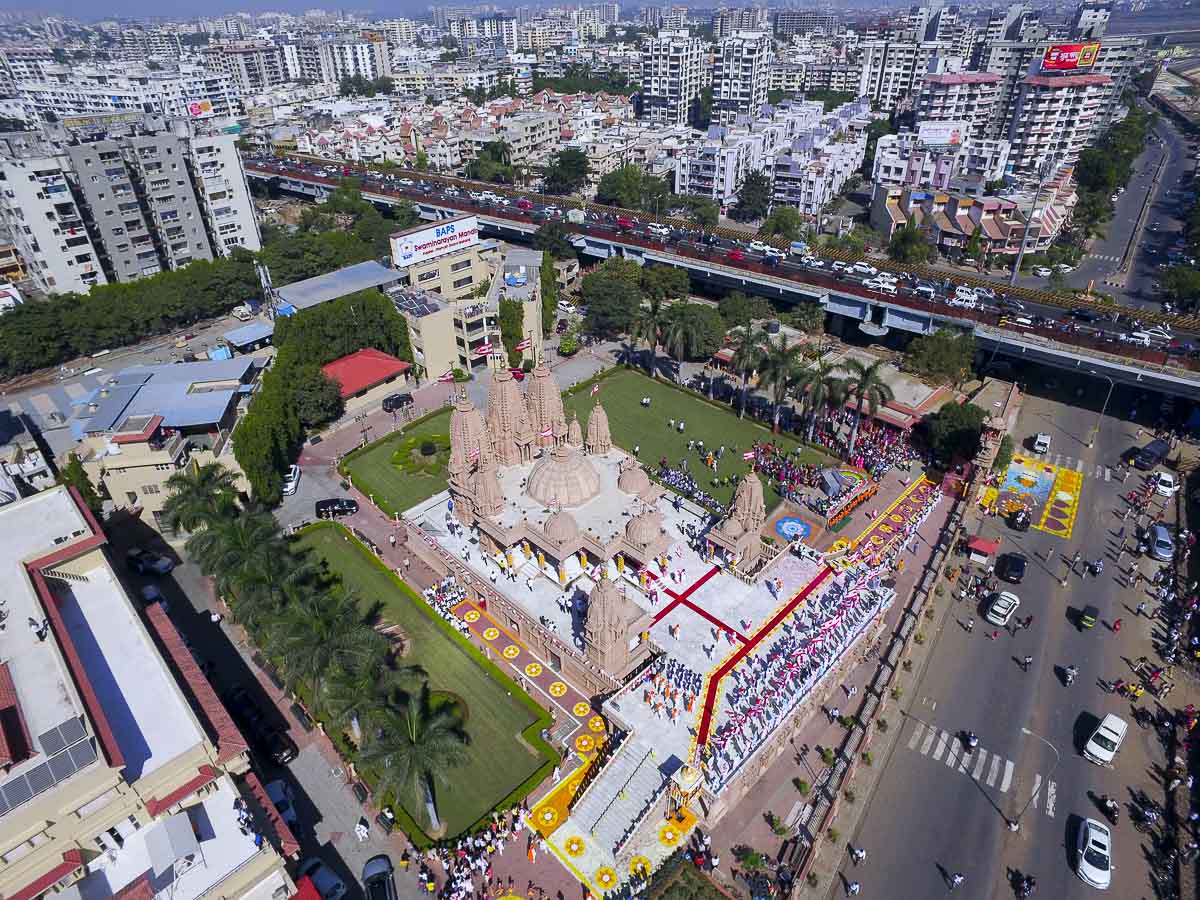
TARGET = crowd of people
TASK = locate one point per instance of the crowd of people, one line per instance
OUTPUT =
(669, 688)
(780, 466)
(682, 482)
(878, 448)
(443, 597)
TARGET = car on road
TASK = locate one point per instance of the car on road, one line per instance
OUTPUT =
(151, 594)
(1101, 748)
(1162, 545)
(146, 563)
(1009, 304)
(279, 747)
(1041, 442)
(335, 507)
(1093, 863)
(1151, 455)
(281, 794)
(862, 268)
(758, 247)
(839, 266)
(1002, 607)
(1083, 314)
(378, 878)
(774, 253)
(659, 229)
(881, 285)
(1159, 332)
(1042, 272)
(1166, 484)
(291, 480)
(524, 204)
(394, 402)
(736, 255)
(328, 885)
(1064, 269)
(1011, 567)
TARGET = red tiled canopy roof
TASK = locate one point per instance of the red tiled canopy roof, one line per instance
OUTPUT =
(364, 369)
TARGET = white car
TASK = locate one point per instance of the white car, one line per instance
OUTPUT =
(758, 247)
(1101, 748)
(659, 229)
(1159, 332)
(291, 480)
(883, 287)
(1064, 268)
(1041, 442)
(280, 793)
(1167, 484)
(774, 253)
(862, 268)
(566, 308)
(1002, 607)
(328, 885)
(840, 266)
(407, 182)
(1093, 863)
(1042, 272)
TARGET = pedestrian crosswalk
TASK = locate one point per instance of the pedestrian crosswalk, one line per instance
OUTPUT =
(985, 768)
(1075, 463)
(1104, 256)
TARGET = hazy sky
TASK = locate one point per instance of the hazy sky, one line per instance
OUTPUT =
(88, 10)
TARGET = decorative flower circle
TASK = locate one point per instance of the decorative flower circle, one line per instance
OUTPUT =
(669, 835)
(596, 724)
(491, 634)
(606, 878)
(547, 815)
(585, 743)
(558, 689)
(512, 651)
(471, 615)
(533, 670)
(574, 785)
(897, 519)
(575, 846)
(639, 866)
(582, 708)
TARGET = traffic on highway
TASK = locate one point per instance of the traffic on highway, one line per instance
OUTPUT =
(1152, 338)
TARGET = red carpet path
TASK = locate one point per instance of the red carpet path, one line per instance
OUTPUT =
(714, 681)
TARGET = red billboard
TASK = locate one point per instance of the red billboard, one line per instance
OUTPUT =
(1059, 57)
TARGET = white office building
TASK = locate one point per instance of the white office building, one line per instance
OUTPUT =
(672, 66)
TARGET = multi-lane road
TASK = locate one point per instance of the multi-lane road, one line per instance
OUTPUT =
(939, 809)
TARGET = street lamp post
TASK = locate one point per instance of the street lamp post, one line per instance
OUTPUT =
(1103, 409)
(1015, 823)
(1048, 168)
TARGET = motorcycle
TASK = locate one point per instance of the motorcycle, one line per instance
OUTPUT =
(971, 740)
(1028, 886)
(1112, 809)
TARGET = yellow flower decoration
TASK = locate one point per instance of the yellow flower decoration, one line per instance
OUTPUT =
(606, 878)
(582, 708)
(639, 866)
(471, 615)
(596, 724)
(547, 815)
(512, 651)
(491, 634)
(669, 835)
(558, 689)
(533, 670)
(574, 846)
(585, 743)
(573, 786)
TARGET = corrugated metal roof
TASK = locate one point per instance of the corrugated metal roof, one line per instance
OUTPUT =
(249, 334)
(323, 288)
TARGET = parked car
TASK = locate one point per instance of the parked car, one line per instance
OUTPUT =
(328, 885)
(758, 247)
(1064, 269)
(281, 794)
(1162, 545)
(291, 480)
(1101, 748)
(394, 402)
(1166, 484)
(1002, 608)
(280, 748)
(146, 563)
(1012, 567)
(1151, 455)
(1042, 272)
(1093, 863)
(657, 228)
(378, 878)
(1041, 442)
(335, 507)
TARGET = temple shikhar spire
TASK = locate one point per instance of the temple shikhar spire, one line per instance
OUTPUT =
(599, 440)
(544, 401)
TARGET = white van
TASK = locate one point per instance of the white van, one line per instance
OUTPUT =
(1101, 748)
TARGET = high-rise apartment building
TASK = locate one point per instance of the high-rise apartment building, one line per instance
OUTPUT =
(969, 97)
(152, 42)
(250, 68)
(66, 91)
(322, 62)
(610, 13)
(730, 21)
(893, 71)
(122, 770)
(1054, 118)
(675, 18)
(802, 21)
(741, 74)
(40, 216)
(401, 32)
(19, 64)
(671, 77)
(1091, 19)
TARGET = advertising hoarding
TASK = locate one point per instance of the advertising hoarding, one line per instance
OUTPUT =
(437, 240)
(199, 109)
(1064, 57)
(942, 134)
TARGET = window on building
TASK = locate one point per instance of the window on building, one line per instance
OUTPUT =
(463, 282)
(428, 276)
(460, 265)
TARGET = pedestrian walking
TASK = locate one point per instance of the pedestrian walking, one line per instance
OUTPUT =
(858, 854)
(994, 635)
(970, 626)
(956, 879)
(1141, 608)
(407, 563)
(1116, 626)
(392, 540)
(1028, 662)
(853, 889)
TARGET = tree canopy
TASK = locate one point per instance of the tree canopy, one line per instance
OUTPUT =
(74, 475)
(785, 222)
(613, 296)
(494, 164)
(580, 79)
(754, 198)
(359, 86)
(738, 309)
(631, 188)
(908, 245)
(567, 172)
(953, 432)
(553, 238)
(946, 355)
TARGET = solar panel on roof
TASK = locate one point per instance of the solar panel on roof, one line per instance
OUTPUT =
(4, 805)
(40, 779)
(17, 791)
(83, 754)
(72, 731)
(61, 766)
(52, 741)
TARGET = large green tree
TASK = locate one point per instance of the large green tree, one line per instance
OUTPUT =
(630, 187)
(865, 385)
(319, 631)
(197, 495)
(548, 279)
(820, 388)
(567, 172)
(945, 355)
(74, 475)
(908, 245)
(512, 318)
(318, 397)
(664, 282)
(703, 212)
(785, 222)
(754, 198)
(694, 331)
(553, 238)
(737, 309)
(778, 366)
(953, 431)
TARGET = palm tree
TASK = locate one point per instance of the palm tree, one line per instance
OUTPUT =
(648, 328)
(821, 389)
(354, 697)
(746, 357)
(417, 746)
(865, 385)
(320, 631)
(678, 339)
(198, 494)
(779, 365)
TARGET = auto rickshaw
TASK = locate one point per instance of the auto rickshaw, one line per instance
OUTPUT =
(1089, 617)
(1020, 519)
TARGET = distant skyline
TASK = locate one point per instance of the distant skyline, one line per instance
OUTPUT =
(90, 12)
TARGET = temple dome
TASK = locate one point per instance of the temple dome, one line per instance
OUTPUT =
(633, 480)
(732, 528)
(563, 477)
(561, 528)
(643, 529)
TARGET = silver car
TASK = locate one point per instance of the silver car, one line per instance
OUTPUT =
(1162, 545)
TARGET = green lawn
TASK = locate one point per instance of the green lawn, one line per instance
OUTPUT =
(394, 473)
(635, 425)
(502, 722)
